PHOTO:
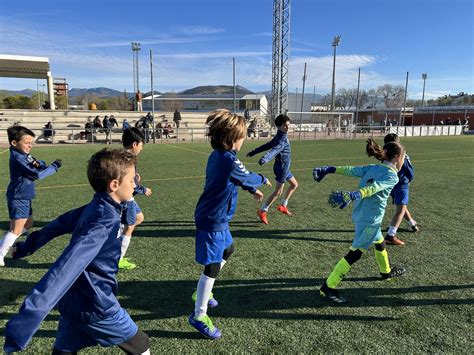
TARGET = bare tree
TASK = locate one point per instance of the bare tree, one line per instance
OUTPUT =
(346, 98)
(392, 95)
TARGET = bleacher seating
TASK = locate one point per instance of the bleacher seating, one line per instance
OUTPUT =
(67, 124)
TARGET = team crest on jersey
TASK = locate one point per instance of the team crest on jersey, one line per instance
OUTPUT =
(241, 166)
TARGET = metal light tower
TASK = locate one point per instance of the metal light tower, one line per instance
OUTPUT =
(423, 76)
(135, 49)
(280, 56)
(335, 43)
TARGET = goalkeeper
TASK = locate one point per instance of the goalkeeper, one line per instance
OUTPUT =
(376, 182)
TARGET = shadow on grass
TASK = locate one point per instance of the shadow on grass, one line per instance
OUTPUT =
(25, 264)
(273, 234)
(273, 299)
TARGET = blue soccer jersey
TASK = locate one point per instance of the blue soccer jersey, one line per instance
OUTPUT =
(81, 283)
(280, 149)
(24, 170)
(217, 204)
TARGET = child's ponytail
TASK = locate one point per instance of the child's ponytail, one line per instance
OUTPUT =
(388, 152)
(374, 150)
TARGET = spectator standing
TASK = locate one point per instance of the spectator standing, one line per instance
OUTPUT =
(138, 100)
(113, 121)
(176, 118)
(247, 115)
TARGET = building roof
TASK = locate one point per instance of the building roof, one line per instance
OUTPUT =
(204, 97)
(19, 66)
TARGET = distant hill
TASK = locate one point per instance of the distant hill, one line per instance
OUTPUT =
(26, 92)
(216, 89)
(100, 92)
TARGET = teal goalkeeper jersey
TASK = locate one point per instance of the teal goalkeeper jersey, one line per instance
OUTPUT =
(376, 182)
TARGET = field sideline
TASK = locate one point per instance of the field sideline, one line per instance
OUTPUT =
(268, 291)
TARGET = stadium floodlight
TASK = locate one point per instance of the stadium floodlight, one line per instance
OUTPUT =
(335, 43)
(423, 76)
(135, 48)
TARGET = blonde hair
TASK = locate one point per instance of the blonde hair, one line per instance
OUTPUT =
(389, 151)
(225, 128)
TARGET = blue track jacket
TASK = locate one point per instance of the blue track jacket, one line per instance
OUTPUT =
(23, 175)
(280, 149)
(217, 204)
(82, 280)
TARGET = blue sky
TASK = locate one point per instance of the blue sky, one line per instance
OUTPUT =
(88, 42)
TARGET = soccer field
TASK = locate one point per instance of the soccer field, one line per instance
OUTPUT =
(268, 291)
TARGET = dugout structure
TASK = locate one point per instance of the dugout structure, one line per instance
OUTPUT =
(20, 66)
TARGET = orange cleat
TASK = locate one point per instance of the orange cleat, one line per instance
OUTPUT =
(284, 210)
(394, 240)
(263, 216)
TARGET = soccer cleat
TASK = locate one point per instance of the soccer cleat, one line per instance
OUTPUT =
(263, 216)
(331, 294)
(395, 272)
(394, 240)
(414, 228)
(203, 325)
(284, 210)
(125, 264)
(212, 303)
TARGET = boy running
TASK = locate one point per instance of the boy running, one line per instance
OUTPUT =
(24, 171)
(132, 139)
(81, 283)
(400, 197)
(215, 209)
(280, 150)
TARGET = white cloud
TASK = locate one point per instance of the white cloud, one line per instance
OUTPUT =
(197, 30)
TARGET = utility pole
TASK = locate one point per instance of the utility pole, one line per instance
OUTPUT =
(357, 99)
(302, 100)
(233, 76)
(152, 96)
(404, 101)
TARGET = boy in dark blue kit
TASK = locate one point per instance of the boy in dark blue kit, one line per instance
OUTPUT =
(132, 140)
(81, 283)
(24, 170)
(216, 207)
(280, 150)
(400, 195)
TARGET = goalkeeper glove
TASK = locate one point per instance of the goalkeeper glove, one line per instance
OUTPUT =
(320, 172)
(343, 198)
(261, 161)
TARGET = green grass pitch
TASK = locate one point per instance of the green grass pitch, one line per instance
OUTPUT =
(268, 291)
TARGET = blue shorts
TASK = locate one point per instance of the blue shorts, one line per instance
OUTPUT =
(129, 215)
(19, 209)
(282, 176)
(74, 335)
(210, 246)
(366, 235)
(400, 196)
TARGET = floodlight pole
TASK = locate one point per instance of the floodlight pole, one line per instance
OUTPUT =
(136, 87)
(302, 100)
(335, 43)
(423, 76)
